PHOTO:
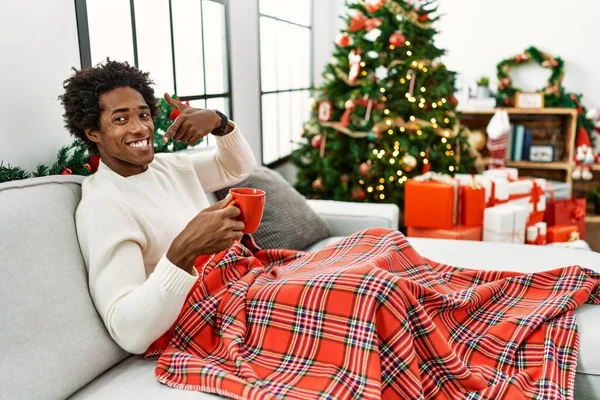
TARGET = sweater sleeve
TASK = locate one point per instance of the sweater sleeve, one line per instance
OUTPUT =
(135, 310)
(230, 163)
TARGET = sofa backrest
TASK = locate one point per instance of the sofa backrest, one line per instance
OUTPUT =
(53, 340)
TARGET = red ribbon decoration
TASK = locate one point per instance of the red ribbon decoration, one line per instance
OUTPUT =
(351, 105)
(578, 215)
(536, 194)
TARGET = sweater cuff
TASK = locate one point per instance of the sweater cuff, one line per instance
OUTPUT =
(172, 278)
(231, 139)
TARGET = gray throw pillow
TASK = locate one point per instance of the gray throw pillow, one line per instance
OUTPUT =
(287, 222)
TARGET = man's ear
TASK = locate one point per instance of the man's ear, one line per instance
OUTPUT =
(92, 134)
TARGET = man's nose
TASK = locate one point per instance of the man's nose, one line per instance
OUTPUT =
(137, 126)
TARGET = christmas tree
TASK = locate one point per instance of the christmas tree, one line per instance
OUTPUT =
(386, 112)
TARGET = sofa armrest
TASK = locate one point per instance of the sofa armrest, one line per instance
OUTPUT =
(345, 218)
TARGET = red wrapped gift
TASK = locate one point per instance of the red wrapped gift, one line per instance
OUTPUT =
(431, 201)
(567, 212)
(458, 232)
(562, 233)
(472, 204)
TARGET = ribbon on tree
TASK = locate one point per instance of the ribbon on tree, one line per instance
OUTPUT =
(350, 105)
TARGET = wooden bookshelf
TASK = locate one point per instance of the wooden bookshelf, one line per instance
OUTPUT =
(594, 219)
(539, 165)
(566, 118)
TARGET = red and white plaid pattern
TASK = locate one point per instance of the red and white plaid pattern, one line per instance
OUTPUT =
(369, 318)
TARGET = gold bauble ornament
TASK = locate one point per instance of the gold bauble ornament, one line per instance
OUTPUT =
(409, 162)
(477, 140)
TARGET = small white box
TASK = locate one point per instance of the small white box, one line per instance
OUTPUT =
(505, 223)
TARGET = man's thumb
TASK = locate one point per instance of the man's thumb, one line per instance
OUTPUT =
(223, 203)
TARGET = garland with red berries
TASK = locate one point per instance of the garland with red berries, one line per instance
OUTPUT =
(554, 94)
(506, 90)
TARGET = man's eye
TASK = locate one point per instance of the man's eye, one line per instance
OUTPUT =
(119, 119)
(145, 115)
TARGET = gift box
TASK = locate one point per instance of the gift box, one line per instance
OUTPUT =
(458, 232)
(529, 193)
(505, 223)
(431, 201)
(567, 212)
(496, 189)
(536, 234)
(562, 233)
(472, 204)
(556, 190)
(510, 174)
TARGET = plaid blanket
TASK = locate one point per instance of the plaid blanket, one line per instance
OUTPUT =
(368, 318)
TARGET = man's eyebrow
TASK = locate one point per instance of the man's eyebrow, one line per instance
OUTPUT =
(119, 110)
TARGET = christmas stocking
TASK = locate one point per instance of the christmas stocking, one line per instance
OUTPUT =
(497, 143)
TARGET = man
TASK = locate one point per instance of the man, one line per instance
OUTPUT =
(143, 219)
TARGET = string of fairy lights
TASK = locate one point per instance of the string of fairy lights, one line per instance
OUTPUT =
(414, 125)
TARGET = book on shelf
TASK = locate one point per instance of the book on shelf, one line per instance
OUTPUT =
(509, 143)
(526, 145)
(517, 149)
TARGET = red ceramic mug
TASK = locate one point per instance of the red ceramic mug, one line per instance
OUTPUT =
(251, 203)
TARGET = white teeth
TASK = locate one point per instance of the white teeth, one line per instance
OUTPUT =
(141, 143)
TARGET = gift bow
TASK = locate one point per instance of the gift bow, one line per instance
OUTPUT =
(475, 184)
(536, 193)
(578, 214)
(574, 236)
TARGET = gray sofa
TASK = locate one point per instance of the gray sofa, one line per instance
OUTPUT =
(54, 344)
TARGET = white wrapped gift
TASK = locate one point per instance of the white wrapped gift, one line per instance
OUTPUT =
(536, 234)
(505, 223)
(521, 192)
(511, 174)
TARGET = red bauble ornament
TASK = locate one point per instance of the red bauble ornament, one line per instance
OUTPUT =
(374, 5)
(94, 162)
(358, 194)
(357, 21)
(373, 23)
(317, 184)
(174, 114)
(344, 179)
(66, 171)
(344, 40)
(453, 100)
(424, 18)
(397, 39)
(364, 169)
(316, 141)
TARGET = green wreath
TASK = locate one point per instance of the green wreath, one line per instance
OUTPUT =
(552, 91)
(554, 94)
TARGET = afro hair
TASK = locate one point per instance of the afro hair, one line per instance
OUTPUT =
(83, 89)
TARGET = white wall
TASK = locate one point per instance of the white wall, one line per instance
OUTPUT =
(38, 46)
(479, 34)
(36, 60)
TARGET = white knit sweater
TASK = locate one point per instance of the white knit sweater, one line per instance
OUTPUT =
(126, 225)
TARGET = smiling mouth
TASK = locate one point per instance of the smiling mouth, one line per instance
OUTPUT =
(140, 144)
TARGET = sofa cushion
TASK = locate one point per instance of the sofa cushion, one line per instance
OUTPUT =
(53, 341)
(134, 379)
(288, 222)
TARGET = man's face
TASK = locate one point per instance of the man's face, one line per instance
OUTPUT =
(125, 140)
